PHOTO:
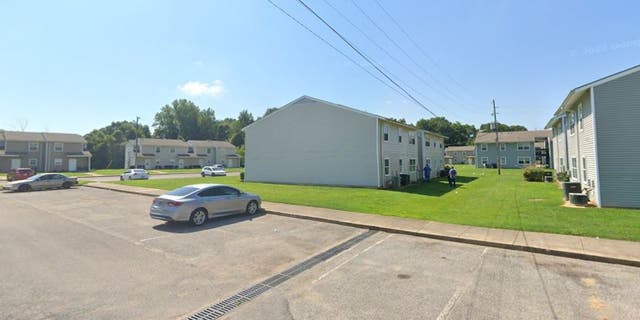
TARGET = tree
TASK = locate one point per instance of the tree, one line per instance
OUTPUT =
(401, 120)
(269, 111)
(488, 127)
(183, 120)
(107, 144)
(456, 133)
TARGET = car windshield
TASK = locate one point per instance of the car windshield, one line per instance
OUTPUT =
(182, 191)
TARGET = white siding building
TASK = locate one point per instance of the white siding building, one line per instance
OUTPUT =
(595, 138)
(311, 141)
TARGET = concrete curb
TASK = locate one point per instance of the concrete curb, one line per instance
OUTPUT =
(500, 245)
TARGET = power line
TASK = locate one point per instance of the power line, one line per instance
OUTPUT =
(365, 57)
(336, 49)
(385, 51)
(424, 53)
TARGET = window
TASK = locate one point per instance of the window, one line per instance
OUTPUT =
(211, 192)
(580, 115)
(172, 150)
(561, 164)
(157, 149)
(524, 161)
(399, 135)
(58, 147)
(484, 161)
(427, 161)
(190, 150)
(503, 147)
(33, 163)
(385, 133)
(33, 146)
(572, 123)
(386, 167)
(412, 138)
(208, 150)
(441, 145)
(574, 168)
(524, 147)
(584, 169)
(484, 147)
(503, 161)
(412, 165)
(400, 165)
(427, 143)
(57, 162)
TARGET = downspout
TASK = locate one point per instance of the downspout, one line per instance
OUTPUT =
(598, 191)
(566, 140)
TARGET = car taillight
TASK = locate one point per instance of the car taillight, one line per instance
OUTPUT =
(174, 203)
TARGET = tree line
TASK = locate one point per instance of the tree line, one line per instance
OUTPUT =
(182, 119)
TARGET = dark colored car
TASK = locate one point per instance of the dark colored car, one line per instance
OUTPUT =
(20, 174)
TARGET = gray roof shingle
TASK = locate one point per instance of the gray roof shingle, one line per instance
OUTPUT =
(513, 136)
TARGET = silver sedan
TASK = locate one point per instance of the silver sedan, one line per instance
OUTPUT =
(42, 181)
(196, 203)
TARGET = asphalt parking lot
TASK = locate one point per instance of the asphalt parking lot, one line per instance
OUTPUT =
(94, 254)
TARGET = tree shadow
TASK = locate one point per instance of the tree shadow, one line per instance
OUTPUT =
(437, 187)
(186, 227)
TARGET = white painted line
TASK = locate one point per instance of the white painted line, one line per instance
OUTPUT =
(154, 238)
(454, 298)
(350, 259)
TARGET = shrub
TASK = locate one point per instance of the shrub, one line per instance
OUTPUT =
(563, 176)
(534, 174)
(242, 176)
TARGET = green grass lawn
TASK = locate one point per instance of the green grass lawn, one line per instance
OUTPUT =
(482, 198)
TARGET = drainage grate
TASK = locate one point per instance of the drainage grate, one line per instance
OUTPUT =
(225, 306)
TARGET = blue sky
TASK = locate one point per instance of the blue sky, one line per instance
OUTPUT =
(73, 66)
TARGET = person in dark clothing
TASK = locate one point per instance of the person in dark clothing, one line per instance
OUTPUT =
(427, 172)
(452, 177)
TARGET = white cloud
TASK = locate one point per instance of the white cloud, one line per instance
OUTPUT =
(197, 88)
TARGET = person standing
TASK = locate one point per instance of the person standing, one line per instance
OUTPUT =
(452, 177)
(427, 172)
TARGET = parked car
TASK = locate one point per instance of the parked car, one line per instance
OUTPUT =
(134, 174)
(216, 170)
(20, 174)
(42, 181)
(196, 203)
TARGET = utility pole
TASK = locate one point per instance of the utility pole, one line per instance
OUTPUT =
(137, 147)
(495, 126)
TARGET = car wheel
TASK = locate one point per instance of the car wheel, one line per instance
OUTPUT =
(252, 207)
(66, 185)
(198, 217)
(121, 178)
(24, 188)
(202, 174)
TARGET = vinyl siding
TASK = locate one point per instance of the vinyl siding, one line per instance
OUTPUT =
(617, 110)
(394, 151)
(434, 152)
(586, 140)
(310, 142)
(511, 153)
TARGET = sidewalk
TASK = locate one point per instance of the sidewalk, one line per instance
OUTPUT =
(585, 248)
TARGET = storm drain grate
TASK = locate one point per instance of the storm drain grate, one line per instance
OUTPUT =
(225, 306)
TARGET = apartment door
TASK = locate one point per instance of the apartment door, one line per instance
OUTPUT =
(15, 163)
(73, 165)
(181, 163)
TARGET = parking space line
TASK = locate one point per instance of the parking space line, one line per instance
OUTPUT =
(350, 259)
(154, 238)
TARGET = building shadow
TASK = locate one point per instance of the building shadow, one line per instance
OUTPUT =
(436, 187)
(212, 223)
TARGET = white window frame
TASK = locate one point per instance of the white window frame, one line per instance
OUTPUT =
(580, 117)
(584, 169)
(524, 160)
(399, 135)
(484, 160)
(427, 161)
(503, 147)
(400, 165)
(57, 162)
(33, 162)
(503, 161)
(208, 150)
(385, 133)
(58, 147)
(484, 147)
(34, 146)
(412, 165)
(574, 168)
(157, 149)
(412, 138)
(524, 146)
(572, 123)
(172, 150)
(427, 142)
(387, 166)
(562, 164)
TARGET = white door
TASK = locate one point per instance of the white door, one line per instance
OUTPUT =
(73, 165)
(15, 163)
(181, 163)
(230, 163)
(147, 164)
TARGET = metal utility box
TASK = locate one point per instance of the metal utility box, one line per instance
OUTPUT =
(571, 187)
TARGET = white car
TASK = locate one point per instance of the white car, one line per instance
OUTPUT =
(134, 174)
(216, 170)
